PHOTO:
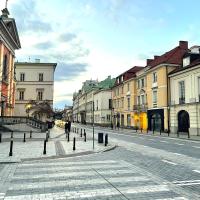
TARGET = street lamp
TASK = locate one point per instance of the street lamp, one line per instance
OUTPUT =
(93, 119)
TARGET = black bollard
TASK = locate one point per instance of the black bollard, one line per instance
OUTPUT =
(11, 135)
(0, 137)
(106, 139)
(160, 131)
(30, 133)
(141, 130)
(84, 131)
(147, 130)
(84, 137)
(11, 148)
(74, 144)
(45, 145)
(81, 132)
(188, 134)
(47, 136)
(24, 137)
(68, 137)
(48, 133)
(168, 132)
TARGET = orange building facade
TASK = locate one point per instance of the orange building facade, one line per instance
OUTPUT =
(9, 42)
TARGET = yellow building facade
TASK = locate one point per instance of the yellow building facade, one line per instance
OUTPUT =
(124, 99)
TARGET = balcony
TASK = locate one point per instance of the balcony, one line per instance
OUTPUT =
(141, 108)
(182, 100)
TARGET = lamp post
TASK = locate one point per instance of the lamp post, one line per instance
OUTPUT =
(93, 119)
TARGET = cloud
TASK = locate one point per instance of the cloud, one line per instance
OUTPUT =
(44, 45)
(66, 71)
(66, 37)
(27, 17)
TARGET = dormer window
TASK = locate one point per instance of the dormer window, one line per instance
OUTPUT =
(186, 61)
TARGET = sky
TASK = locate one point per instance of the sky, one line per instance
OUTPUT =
(92, 39)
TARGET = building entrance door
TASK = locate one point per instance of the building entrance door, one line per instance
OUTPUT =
(183, 121)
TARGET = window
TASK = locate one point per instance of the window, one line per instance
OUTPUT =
(5, 67)
(128, 120)
(21, 95)
(154, 77)
(128, 87)
(110, 103)
(122, 89)
(22, 76)
(108, 118)
(142, 99)
(40, 76)
(186, 61)
(40, 95)
(155, 98)
(128, 103)
(138, 100)
(122, 102)
(181, 92)
(142, 83)
(138, 84)
(97, 105)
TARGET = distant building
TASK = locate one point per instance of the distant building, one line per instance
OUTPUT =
(9, 42)
(35, 83)
(93, 102)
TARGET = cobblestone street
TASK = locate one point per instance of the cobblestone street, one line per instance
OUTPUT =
(141, 167)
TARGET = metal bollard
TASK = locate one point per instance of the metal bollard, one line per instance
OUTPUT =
(106, 139)
(81, 132)
(11, 148)
(68, 137)
(11, 135)
(48, 133)
(147, 130)
(188, 134)
(153, 131)
(141, 130)
(47, 136)
(84, 131)
(24, 137)
(30, 133)
(45, 145)
(160, 131)
(168, 132)
(0, 137)
(74, 144)
(84, 137)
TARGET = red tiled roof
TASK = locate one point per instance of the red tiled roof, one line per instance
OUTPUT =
(128, 74)
(173, 56)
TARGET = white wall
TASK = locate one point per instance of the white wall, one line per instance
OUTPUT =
(31, 84)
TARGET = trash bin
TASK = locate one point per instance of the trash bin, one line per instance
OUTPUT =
(100, 137)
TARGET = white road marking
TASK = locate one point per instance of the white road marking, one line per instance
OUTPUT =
(169, 162)
(178, 154)
(196, 147)
(197, 171)
(179, 144)
(164, 141)
(188, 181)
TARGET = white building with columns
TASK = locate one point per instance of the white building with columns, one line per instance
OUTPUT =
(35, 81)
(185, 95)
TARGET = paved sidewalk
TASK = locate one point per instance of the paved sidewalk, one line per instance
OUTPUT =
(57, 146)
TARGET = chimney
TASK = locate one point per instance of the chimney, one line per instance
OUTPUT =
(183, 44)
(155, 57)
(149, 61)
